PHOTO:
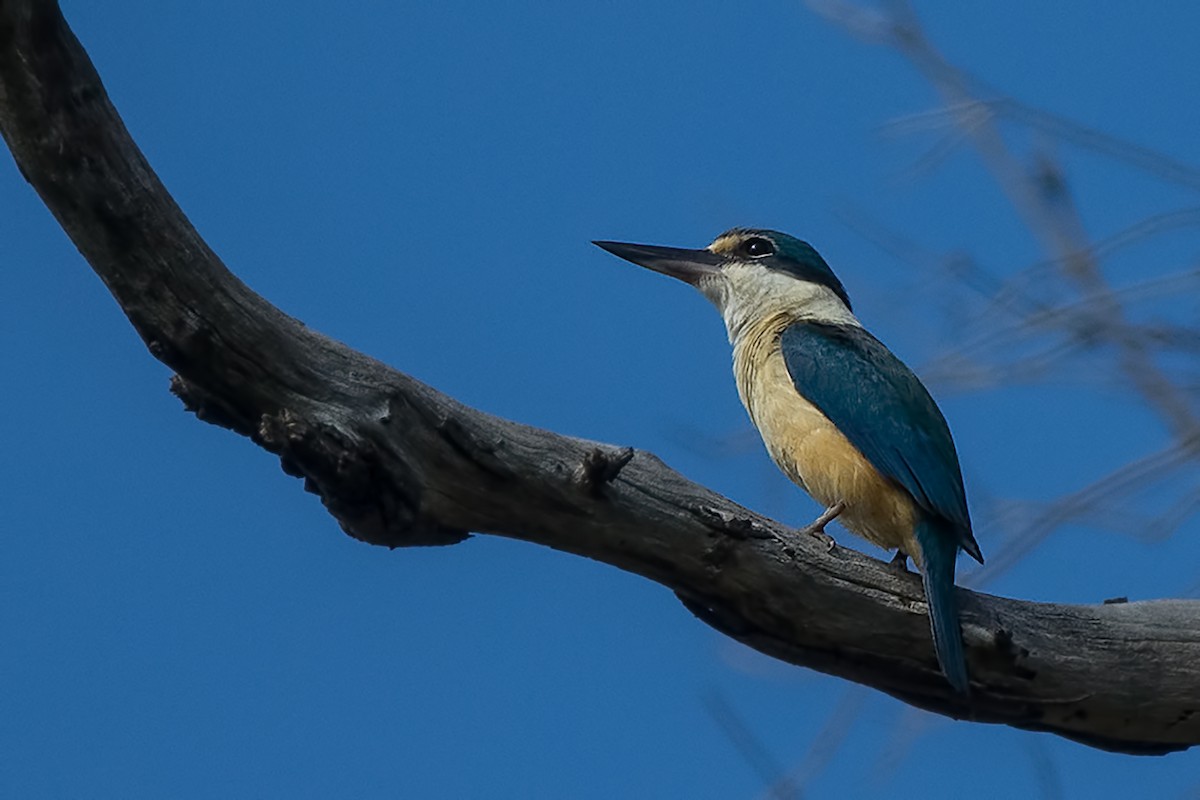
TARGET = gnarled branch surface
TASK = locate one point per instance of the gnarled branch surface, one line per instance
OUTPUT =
(399, 464)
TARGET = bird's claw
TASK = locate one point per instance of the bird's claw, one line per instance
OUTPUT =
(829, 542)
(899, 561)
(817, 526)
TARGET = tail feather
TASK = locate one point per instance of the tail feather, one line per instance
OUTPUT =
(938, 552)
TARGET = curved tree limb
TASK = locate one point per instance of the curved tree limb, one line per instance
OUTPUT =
(399, 464)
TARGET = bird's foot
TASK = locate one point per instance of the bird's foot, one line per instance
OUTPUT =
(899, 562)
(817, 526)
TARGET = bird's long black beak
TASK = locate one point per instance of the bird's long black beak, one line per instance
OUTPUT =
(686, 265)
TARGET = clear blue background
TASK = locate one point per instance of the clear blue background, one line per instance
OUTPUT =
(421, 180)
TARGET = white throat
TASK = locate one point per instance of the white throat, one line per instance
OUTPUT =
(746, 293)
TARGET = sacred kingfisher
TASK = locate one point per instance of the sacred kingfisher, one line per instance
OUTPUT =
(838, 412)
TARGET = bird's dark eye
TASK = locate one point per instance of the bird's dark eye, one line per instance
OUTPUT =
(758, 247)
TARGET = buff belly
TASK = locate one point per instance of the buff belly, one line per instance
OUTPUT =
(804, 443)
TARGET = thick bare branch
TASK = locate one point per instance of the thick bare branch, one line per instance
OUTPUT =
(398, 464)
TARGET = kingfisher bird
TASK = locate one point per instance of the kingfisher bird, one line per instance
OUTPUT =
(839, 414)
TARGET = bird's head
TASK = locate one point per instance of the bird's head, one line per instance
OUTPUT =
(750, 273)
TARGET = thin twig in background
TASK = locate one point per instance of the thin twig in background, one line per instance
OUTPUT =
(750, 747)
(826, 743)
(1097, 314)
(1045, 771)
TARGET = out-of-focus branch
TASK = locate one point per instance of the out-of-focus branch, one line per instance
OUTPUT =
(1121, 483)
(1060, 128)
(1097, 316)
(751, 748)
(1040, 195)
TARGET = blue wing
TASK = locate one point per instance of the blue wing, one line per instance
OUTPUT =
(885, 412)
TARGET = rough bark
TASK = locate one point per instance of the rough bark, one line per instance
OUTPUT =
(399, 464)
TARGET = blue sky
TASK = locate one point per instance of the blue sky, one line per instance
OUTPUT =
(422, 181)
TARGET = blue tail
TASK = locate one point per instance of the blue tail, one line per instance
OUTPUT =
(939, 548)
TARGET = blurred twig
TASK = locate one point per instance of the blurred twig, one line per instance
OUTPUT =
(826, 743)
(750, 747)
(1045, 770)
(1096, 314)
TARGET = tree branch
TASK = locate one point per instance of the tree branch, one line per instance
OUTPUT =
(399, 464)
